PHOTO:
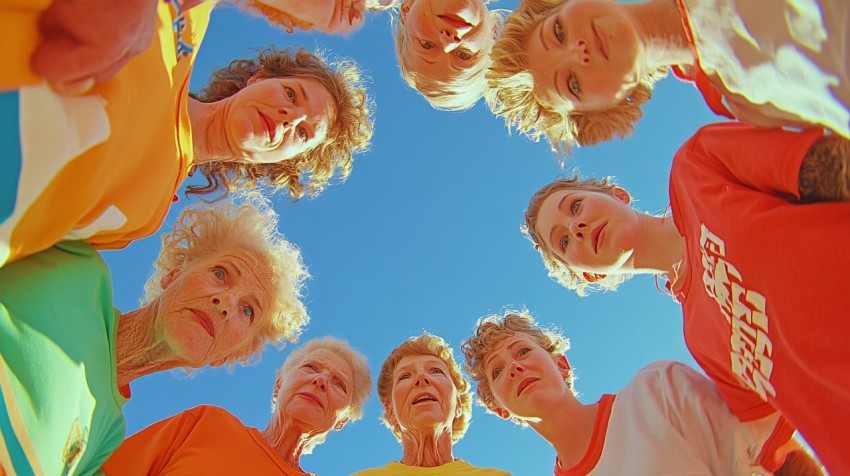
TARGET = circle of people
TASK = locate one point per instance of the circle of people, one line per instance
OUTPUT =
(754, 202)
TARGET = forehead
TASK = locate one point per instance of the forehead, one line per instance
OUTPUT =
(413, 361)
(541, 65)
(330, 360)
(550, 213)
(246, 265)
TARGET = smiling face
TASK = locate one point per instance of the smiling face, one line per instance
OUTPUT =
(212, 307)
(445, 38)
(424, 398)
(585, 56)
(274, 119)
(526, 380)
(589, 231)
(315, 394)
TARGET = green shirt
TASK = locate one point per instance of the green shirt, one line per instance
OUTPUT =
(60, 407)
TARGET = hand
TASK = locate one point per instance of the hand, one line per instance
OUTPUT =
(329, 16)
(87, 42)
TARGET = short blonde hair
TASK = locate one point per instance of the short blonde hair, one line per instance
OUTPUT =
(205, 231)
(459, 93)
(492, 331)
(309, 172)
(558, 270)
(425, 344)
(510, 93)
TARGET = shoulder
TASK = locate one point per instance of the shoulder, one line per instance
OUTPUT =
(464, 468)
(668, 379)
(388, 469)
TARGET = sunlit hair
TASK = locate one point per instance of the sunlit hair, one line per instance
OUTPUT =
(490, 332)
(204, 233)
(361, 383)
(510, 93)
(349, 131)
(425, 344)
(558, 270)
(459, 92)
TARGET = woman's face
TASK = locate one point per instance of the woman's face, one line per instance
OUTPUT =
(585, 56)
(274, 119)
(424, 398)
(211, 307)
(316, 393)
(525, 379)
(446, 37)
(589, 231)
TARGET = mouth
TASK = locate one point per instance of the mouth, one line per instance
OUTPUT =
(424, 398)
(205, 321)
(455, 21)
(271, 127)
(309, 396)
(599, 41)
(596, 236)
(526, 382)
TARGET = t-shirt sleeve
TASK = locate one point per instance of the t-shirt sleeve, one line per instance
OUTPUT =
(148, 451)
(763, 159)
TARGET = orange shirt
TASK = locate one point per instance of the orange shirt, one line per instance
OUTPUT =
(204, 440)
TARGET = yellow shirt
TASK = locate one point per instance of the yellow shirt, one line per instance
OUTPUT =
(455, 468)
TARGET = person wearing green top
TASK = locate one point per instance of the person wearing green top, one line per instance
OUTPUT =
(224, 284)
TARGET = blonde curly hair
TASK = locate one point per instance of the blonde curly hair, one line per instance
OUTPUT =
(425, 344)
(205, 231)
(349, 132)
(458, 93)
(510, 93)
(490, 332)
(558, 270)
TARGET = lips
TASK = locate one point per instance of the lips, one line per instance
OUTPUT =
(455, 21)
(309, 396)
(424, 398)
(599, 41)
(205, 321)
(595, 236)
(271, 126)
(525, 384)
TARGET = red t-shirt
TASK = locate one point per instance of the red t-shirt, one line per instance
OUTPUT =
(765, 295)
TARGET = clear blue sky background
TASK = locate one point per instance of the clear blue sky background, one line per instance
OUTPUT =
(424, 236)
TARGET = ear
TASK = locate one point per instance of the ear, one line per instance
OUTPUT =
(169, 278)
(390, 415)
(501, 413)
(218, 362)
(458, 408)
(403, 10)
(621, 194)
(340, 424)
(276, 389)
(563, 365)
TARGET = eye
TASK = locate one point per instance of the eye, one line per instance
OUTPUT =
(249, 312)
(302, 133)
(575, 206)
(437, 370)
(426, 44)
(496, 372)
(572, 83)
(464, 55)
(219, 273)
(311, 367)
(289, 92)
(403, 377)
(339, 384)
(565, 240)
(559, 32)
(523, 351)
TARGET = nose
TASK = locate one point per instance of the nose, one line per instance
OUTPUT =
(577, 50)
(579, 229)
(422, 379)
(320, 380)
(291, 116)
(223, 304)
(450, 39)
(516, 369)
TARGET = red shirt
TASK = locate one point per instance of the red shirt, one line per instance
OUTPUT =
(765, 292)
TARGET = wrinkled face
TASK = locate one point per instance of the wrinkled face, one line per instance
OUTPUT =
(590, 231)
(209, 308)
(317, 392)
(423, 395)
(274, 119)
(446, 37)
(585, 56)
(526, 380)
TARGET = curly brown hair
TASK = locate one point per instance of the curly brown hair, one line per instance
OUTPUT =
(510, 93)
(310, 171)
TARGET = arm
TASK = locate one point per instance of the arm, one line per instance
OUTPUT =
(825, 171)
(329, 16)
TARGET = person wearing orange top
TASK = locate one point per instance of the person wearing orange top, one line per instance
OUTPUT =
(668, 420)
(319, 388)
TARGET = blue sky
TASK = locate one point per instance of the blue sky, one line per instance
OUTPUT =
(424, 236)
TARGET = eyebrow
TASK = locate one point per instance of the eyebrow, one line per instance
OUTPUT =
(258, 305)
(303, 92)
(560, 205)
(542, 40)
(493, 356)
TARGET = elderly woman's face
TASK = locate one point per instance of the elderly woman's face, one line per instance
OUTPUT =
(209, 308)
(423, 396)
(316, 393)
(274, 119)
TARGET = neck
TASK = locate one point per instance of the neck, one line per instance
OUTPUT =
(571, 445)
(660, 246)
(659, 26)
(427, 448)
(139, 351)
(288, 439)
(209, 140)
